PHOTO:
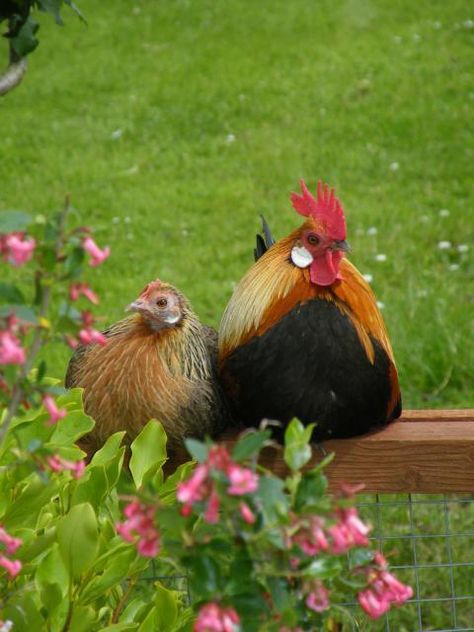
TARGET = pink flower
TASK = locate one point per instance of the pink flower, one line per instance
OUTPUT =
(11, 543)
(10, 350)
(348, 532)
(318, 598)
(246, 513)
(383, 589)
(219, 458)
(89, 335)
(97, 255)
(55, 413)
(140, 528)
(211, 514)
(57, 464)
(213, 618)
(311, 537)
(13, 567)
(194, 489)
(242, 480)
(16, 249)
(374, 605)
(76, 289)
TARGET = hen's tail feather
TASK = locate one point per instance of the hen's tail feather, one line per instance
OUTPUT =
(265, 242)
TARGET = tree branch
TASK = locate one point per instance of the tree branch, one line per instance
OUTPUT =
(14, 73)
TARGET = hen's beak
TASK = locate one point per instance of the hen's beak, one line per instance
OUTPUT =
(341, 244)
(137, 306)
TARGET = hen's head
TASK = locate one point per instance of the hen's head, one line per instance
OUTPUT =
(322, 239)
(160, 305)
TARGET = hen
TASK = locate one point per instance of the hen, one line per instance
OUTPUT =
(161, 363)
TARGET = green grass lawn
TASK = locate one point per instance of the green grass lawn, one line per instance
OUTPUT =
(174, 124)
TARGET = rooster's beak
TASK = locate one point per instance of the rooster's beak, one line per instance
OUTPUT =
(341, 244)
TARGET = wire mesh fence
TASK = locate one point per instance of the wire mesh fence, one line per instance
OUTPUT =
(429, 541)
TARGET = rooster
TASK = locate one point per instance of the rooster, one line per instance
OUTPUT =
(161, 363)
(302, 335)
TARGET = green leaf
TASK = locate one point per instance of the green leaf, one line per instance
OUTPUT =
(197, 449)
(310, 491)
(205, 575)
(116, 570)
(78, 539)
(167, 490)
(148, 452)
(71, 428)
(83, 619)
(360, 557)
(76, 10)
(297, 451)
(14, 221)
(92, 487)
(10, 293)
(25, 41)
(52, 580)
(272, 497)
(23, 313)
(53, 7)
(26, 506)
(323, 568)
(166, 604)
(73, 262)
(109, 450)
(250, 444)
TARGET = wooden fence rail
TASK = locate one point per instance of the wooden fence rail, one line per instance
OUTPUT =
(425, 451)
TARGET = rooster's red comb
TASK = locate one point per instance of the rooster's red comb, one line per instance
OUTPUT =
(326, 209)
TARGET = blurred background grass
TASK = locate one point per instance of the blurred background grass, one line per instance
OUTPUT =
(173, 124)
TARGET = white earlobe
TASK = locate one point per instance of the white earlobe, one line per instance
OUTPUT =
(301, 257)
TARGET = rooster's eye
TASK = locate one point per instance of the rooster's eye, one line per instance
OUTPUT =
(162, 302)
(313, 239)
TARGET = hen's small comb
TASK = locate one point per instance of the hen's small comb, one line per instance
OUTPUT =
(151, 287)
(326, 209)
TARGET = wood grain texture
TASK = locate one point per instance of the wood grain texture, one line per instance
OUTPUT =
(425, 451)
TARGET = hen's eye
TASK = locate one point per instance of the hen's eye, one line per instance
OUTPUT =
(162, 302)
(313, 240)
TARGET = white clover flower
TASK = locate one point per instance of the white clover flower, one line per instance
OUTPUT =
(372, 230)
(115, 220)
(437, 25)
(368, 277)
(381, 257)
(136, 10)
(394, 166)
(444, 245)
(184, 232)
(444, 212)
(468, 24)
(454, 266)
(416, 37)
(116, 134)
(230, 138)
(380, 305)
(127, 220)
(463, 248)
(424, 218)
(129, 235)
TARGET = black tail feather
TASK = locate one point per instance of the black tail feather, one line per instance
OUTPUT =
(265, 242)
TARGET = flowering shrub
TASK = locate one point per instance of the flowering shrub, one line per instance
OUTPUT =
(261, 553)
(258, 553)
